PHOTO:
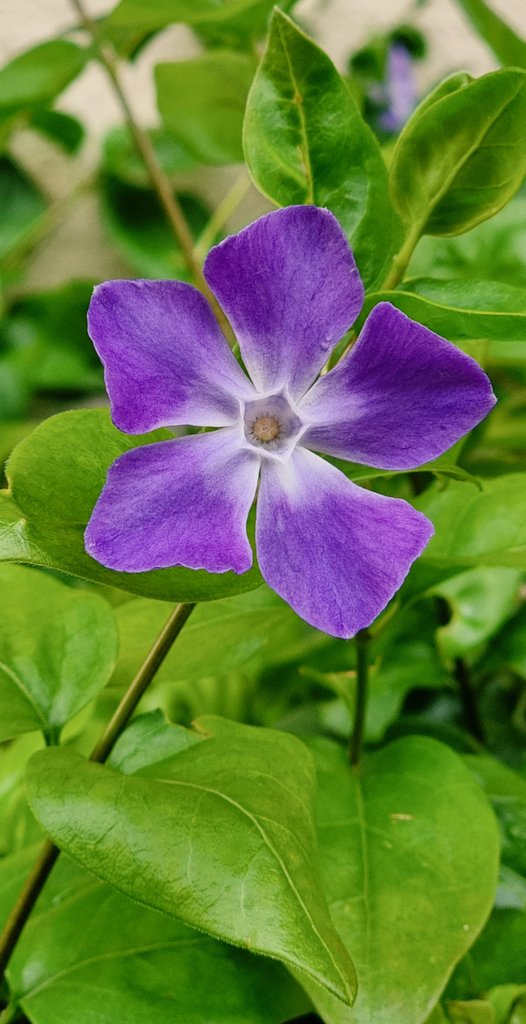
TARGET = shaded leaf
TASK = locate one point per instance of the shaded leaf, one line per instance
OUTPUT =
(22, 206)
(202, 102)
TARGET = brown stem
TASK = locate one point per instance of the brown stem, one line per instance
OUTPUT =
(49, 853)
(159, 180)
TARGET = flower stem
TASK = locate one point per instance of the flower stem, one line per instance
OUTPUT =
(159, 180)
(222, 212)
(469, 701)
(115, 727)
(360, 707)
(401, 259)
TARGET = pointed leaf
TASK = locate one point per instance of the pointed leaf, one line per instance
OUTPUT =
(306, 142)
(221, 836)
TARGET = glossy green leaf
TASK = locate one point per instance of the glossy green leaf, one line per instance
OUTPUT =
(58, 648)
(306, 142)
(474, 527)
(202, 102)
(505, 43)
(462, 156)
(461, 309)
(37, 76)
(22, 206)
(480, 600)
(91, 955)
(156, 13)
(56, 475)
(221, 836)
(250, 630)
(409, 851)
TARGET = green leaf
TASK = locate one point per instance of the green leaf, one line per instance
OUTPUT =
(462, 155)
(509, 1003)
(58, 648)
(472, 1011)
(306, 142)
(18, 828)
(474, 527)
(65, 130)
(505, 43)
(221, 836)
(137, 225)
(90, 954)
(409, 852)
(461, 309)
(157, 13)
(202, 102)
(481, 600)
(37, 76)
(22, 206)
(56, 475)
(250, 631)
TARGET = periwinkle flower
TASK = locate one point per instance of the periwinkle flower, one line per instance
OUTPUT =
(402, 395)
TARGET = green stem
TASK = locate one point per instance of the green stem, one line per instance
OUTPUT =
(400, 260)
(49, 853)
(159, 180)
(469, 700)
(222, 213)
(360, 707)
(9, 1013)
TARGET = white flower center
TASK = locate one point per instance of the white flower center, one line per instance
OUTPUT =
(271, 424)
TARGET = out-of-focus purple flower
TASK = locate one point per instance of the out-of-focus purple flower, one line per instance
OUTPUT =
(400, 88)
(290, 288)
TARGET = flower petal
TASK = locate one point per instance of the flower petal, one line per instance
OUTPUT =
(181, 502)
(336, 552)
(165, 358)
(290, 288)
(401, 397)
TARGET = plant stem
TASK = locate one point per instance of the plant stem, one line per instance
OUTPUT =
(9, 1013)
(159, 180)
(119, 721)
(360, 707)
(400, 260)
(222, 212)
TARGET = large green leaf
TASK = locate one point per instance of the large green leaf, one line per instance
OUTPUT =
(202, 102)
(219, 835)
(478, 527)
(480, 601)
(55, 476)
(89, 955)
(306, 142)
(58, 648)
(462, 155)
(409, 851)
(505, 43)
(139, 15)
(461, 309)
(37, 76)
(249, 630)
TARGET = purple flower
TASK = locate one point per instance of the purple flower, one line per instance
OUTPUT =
(290, 288)
(400, 88)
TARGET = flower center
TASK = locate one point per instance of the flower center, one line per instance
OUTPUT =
(271, 424)
(266, 428)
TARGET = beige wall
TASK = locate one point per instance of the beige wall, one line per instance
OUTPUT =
(77, 246)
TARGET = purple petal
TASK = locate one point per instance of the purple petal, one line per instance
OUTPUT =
(401, 397)
(181, 502)
(165, 358)
(290, 288)
(334, 551)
